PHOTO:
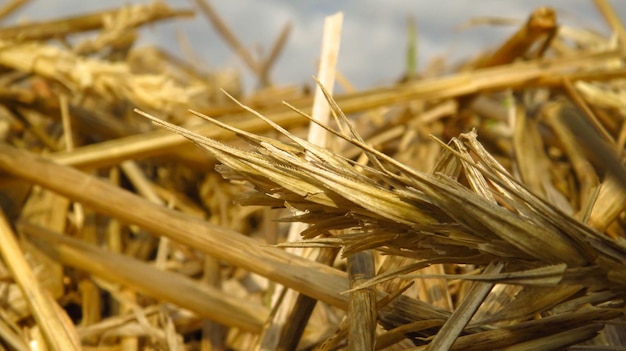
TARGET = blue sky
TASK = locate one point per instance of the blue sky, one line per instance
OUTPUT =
(373, 38)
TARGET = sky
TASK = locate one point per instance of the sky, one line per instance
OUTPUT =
(374, 35)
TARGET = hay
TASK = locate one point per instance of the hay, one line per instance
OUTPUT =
(478, 210)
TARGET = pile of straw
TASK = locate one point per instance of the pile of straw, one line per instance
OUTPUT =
(477, 210)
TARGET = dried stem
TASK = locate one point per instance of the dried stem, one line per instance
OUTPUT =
(93, 21)
(229, 36)
(54, 323)
(10, 7)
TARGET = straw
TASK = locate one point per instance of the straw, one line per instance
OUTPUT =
(463, 206)
(59, 334)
